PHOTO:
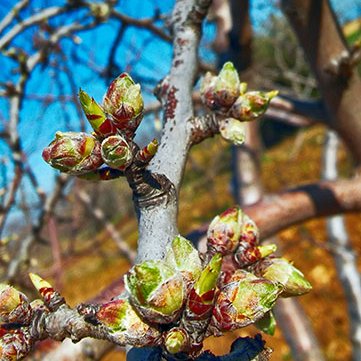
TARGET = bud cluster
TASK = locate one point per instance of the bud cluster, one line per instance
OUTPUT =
(176, 302)
(185, 297)
(228, 97)
(114, 123)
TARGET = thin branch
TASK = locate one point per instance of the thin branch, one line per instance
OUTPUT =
(12, 14)
(98, 214)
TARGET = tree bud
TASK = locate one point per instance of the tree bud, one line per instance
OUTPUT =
(176, 340)
(251, 105)
(280, 270)
(116, 152)
(201, 296)
(224, 232)
(124, 102)
(73, 153)
(233, 130)
(227, 86)
(52, 298)
(242, 301)
(156, 290)
(125, 324)
(14, 306)
(96, 115)
(147, 153)
(218, 93)
(245, 255)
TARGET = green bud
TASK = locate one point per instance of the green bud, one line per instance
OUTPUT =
(224, 232)
(116, 152)
(125, 324)
(280, 270)
(176, 340)
(145, 155)
(96, 115)
(73, 153)
(218, 93)
(124, 102)
(242, 301)
(156, 290)
(251, 105)
(183, 257)
(227, 85)
(14, 306)
(233, 130)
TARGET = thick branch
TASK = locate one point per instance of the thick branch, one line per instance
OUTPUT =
(158, 225)
(300, 204)
(325, 47)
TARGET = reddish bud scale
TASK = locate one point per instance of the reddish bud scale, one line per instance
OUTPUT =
(245, 256)
(200, 306)
(52, 299)
(107, 128)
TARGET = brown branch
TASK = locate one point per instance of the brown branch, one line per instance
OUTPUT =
(321, 37)
(277, 212)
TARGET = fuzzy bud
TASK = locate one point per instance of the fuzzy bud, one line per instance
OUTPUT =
(73, 153)
(280, 270)
(156, 290)
(124, 102)
(242, 301)
(227, 86)
(96, 116)
(14, 306)
(251, 105)
(233, 130)
(116, 152)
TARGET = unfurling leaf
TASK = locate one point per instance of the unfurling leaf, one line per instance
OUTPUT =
(156, 290)
(242, 301)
